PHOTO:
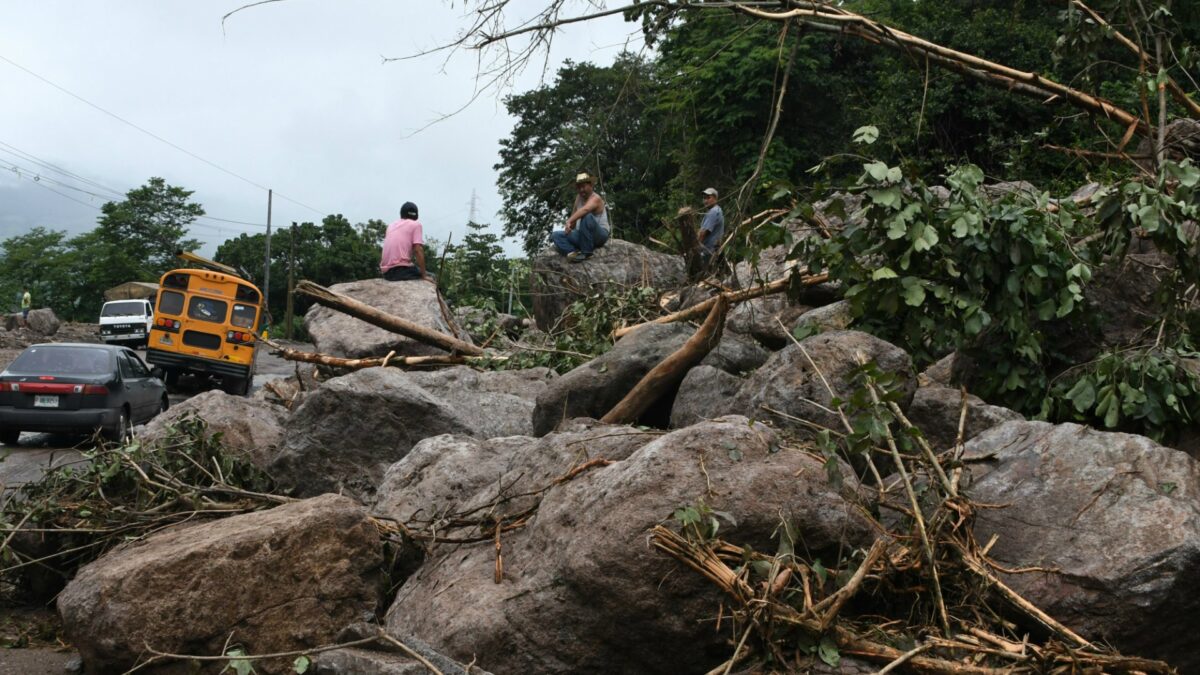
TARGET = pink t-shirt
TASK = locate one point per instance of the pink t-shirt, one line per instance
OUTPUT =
(398, 244)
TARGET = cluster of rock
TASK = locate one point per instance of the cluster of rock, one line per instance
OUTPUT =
(1111, 522)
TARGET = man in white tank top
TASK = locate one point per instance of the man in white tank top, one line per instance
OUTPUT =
(587, 227)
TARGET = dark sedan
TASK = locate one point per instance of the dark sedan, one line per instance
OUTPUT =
(78, 388)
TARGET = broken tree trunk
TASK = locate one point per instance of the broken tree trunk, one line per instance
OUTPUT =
(689, 243)
(671, 370)
(395, 324)
(733, 297)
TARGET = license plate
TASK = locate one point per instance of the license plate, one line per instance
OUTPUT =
(45, 401)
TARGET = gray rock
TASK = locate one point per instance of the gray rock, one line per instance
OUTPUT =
(592, 389)
(344, 435)
(583, 592)
(705, 393)
(557, 282)
(494, 403)
(42, 322)
(443, 474)
(285, 579)
(249, 427)
(836, 316)
(769, 319)
(789, 383)
(338, 334)
(1116, 514)
(935, 411)
(384, 657)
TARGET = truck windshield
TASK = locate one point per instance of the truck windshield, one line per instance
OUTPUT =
(128, 308)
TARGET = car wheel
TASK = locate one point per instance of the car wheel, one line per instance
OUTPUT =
(9, 436)
(120, 432)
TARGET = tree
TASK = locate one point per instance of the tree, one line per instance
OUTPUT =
(595, 119)
(476, 272)
(43, 262)
(331, 253)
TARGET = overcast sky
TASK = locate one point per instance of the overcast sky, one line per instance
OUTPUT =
(289, 95)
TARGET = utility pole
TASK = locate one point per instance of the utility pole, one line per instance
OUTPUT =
(474, 206)
(291, 285)
(266, 287)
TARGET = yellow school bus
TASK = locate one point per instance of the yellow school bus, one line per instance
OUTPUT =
(204, 325)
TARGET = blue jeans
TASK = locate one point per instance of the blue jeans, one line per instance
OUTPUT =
(586, 237)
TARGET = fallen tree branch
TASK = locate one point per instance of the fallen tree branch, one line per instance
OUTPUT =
(372, 362)
(671, 371)
(389, 322)
(733, 297)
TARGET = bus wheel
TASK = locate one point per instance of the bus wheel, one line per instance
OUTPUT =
(171, 378)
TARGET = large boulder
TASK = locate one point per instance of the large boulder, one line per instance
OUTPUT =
(557, 282)
(344, 435)
(42, 322)
(495, 403)
(582, 591)
(1113, 519)
(800, 381)
(768, 319)
(705, 393)
(592, 389)
(285, 579)
(442, 474)
(936, 409)
(338, 334)
(248, 427)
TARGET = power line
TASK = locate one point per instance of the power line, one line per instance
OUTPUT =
(30, 157)
(37, 179)
(154, 135)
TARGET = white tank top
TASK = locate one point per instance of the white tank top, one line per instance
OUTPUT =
(602, 217)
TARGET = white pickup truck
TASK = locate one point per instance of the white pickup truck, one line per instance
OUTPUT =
(126, 321)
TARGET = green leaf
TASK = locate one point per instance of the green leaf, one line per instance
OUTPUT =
(300, 665)
(876, 170)
(883, 273)
(820, 571)
(828, 652)
(866, 135)
(1083, 394)
(914, 295)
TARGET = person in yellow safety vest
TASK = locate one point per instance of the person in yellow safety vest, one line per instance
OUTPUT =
(26, 302)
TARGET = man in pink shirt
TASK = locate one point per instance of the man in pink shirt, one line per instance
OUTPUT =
(403, 245)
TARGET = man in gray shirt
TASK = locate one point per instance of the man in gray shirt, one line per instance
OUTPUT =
(712, 229)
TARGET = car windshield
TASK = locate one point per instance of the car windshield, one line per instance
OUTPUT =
(62, 361)
(124, 309)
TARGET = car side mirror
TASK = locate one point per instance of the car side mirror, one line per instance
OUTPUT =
(158, 372)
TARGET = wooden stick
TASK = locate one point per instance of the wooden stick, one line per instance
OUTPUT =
(672, 369)
(389, 322)
(373, 362)
(846, 592)
(733, 297)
